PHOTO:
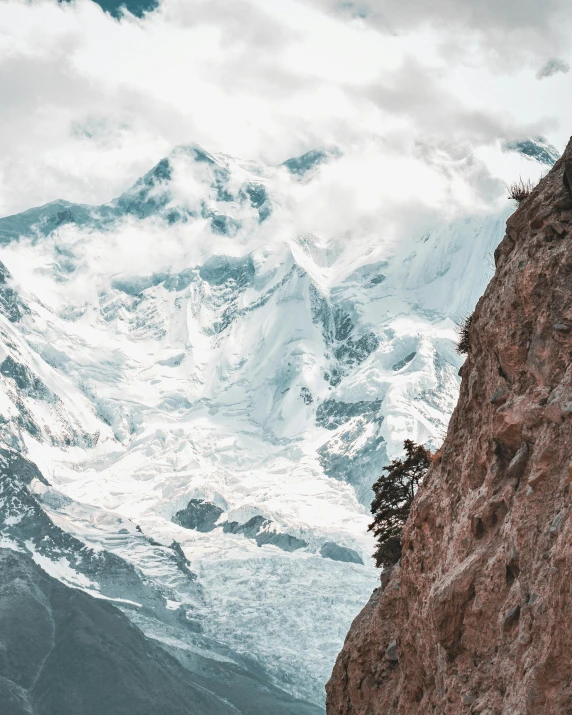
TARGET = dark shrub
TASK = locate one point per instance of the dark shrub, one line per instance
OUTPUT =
(394, 494)
(463, 330)
(520, 190)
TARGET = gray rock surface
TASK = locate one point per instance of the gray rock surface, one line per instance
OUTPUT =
(199, 515)
(331, 550)
(258, 529)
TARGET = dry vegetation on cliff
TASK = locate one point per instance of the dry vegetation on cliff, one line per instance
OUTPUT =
(463, 334)
(520, 190)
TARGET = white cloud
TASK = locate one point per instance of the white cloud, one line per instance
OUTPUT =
(551, 67)
(92, 102)
(506, 32)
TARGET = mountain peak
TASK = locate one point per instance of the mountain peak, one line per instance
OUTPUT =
(534, 148)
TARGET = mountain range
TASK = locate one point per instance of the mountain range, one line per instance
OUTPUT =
(197, 392)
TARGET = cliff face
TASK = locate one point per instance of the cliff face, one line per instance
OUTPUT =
(477, 617)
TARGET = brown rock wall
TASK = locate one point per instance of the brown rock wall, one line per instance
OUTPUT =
(477, 618)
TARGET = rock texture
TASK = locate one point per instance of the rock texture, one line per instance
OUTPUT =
(477, 617)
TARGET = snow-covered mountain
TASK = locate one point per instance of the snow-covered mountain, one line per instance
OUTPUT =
(534, 148)
(208, 389)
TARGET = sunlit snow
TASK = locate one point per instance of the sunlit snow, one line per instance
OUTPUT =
(194, 341)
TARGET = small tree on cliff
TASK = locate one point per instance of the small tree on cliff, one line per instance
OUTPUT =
(394, 494)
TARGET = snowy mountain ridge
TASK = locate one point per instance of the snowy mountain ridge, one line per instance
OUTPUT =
(209, 389)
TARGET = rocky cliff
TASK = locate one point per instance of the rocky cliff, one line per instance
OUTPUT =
(477, 617)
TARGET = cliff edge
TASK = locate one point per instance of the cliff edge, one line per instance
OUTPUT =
(477, 617)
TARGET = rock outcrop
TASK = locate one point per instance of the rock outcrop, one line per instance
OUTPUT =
(477, 617)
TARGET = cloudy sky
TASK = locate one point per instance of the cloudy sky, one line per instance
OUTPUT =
(416, 94)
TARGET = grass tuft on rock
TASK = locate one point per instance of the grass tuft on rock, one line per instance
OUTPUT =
(520, 190)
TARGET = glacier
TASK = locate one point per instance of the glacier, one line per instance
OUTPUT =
(208, 389)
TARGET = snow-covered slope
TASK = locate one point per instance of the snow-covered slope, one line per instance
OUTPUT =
(210, 389)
